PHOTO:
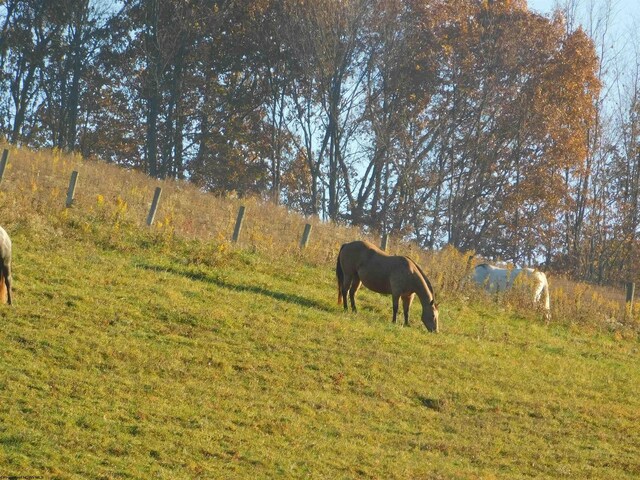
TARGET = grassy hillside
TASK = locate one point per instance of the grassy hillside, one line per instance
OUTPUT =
(146, 353)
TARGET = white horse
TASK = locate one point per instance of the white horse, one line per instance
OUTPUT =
(5, 267)
(498, 278)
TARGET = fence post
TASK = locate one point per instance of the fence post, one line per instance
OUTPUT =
(239, 220)
(305, 236)
(3, 163)
(631, 290)
(71, 192)
(154, 206)
(385, 242)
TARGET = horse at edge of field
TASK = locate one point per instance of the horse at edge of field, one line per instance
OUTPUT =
(494, 278)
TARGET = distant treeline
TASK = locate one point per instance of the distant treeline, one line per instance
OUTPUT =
(464, 122)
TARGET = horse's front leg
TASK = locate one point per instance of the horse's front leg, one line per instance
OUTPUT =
(8, 282)
(406, 303)
(395, 299)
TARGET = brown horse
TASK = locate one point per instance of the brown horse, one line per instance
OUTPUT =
(364, 263)
(5, 266)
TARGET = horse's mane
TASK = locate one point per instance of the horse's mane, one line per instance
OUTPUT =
(426, 280)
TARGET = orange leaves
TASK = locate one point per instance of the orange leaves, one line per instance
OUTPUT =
(521, 102)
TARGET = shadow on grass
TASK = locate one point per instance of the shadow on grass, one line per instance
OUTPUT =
(432, 403)
(203, 277)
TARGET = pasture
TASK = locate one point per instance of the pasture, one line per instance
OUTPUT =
(130, 353)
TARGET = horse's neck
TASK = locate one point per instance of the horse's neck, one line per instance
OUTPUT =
(542, 289)
(545, 292)
(422, 290)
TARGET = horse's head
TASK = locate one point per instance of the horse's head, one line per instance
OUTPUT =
(430, 316)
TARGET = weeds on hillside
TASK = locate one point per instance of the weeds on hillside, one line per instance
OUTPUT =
(112, 203)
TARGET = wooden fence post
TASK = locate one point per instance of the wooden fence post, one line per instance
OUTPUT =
(154, 206)
(71, 192)
(305, 236)
(3, 163)
(631, 290)
(385, 242)
(239, 220)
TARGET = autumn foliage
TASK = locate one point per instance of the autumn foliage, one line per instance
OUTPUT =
(466, 123)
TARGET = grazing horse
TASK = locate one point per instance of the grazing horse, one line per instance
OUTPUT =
(364, 263)
(498, 278)
(5, 266)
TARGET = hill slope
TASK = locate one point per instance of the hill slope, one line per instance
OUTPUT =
(128, 355)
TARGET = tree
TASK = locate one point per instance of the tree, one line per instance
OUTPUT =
(30, 31)
(515, 101)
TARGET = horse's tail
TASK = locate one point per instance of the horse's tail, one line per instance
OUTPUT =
(340, 277)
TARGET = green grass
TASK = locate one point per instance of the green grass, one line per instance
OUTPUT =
(133, 359)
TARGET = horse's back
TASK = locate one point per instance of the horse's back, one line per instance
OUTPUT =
(360, 247)
(354, 254)
(490, 276)
(376, 269)
(499, 278)
(494, 277)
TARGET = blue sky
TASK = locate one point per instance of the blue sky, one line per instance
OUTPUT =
(625, 25)
(624, 8)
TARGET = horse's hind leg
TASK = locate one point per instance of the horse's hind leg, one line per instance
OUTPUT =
(344, 288)
(355, 285)
(406, 303)
(5, 278)
(343, 292)
(396, 300)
